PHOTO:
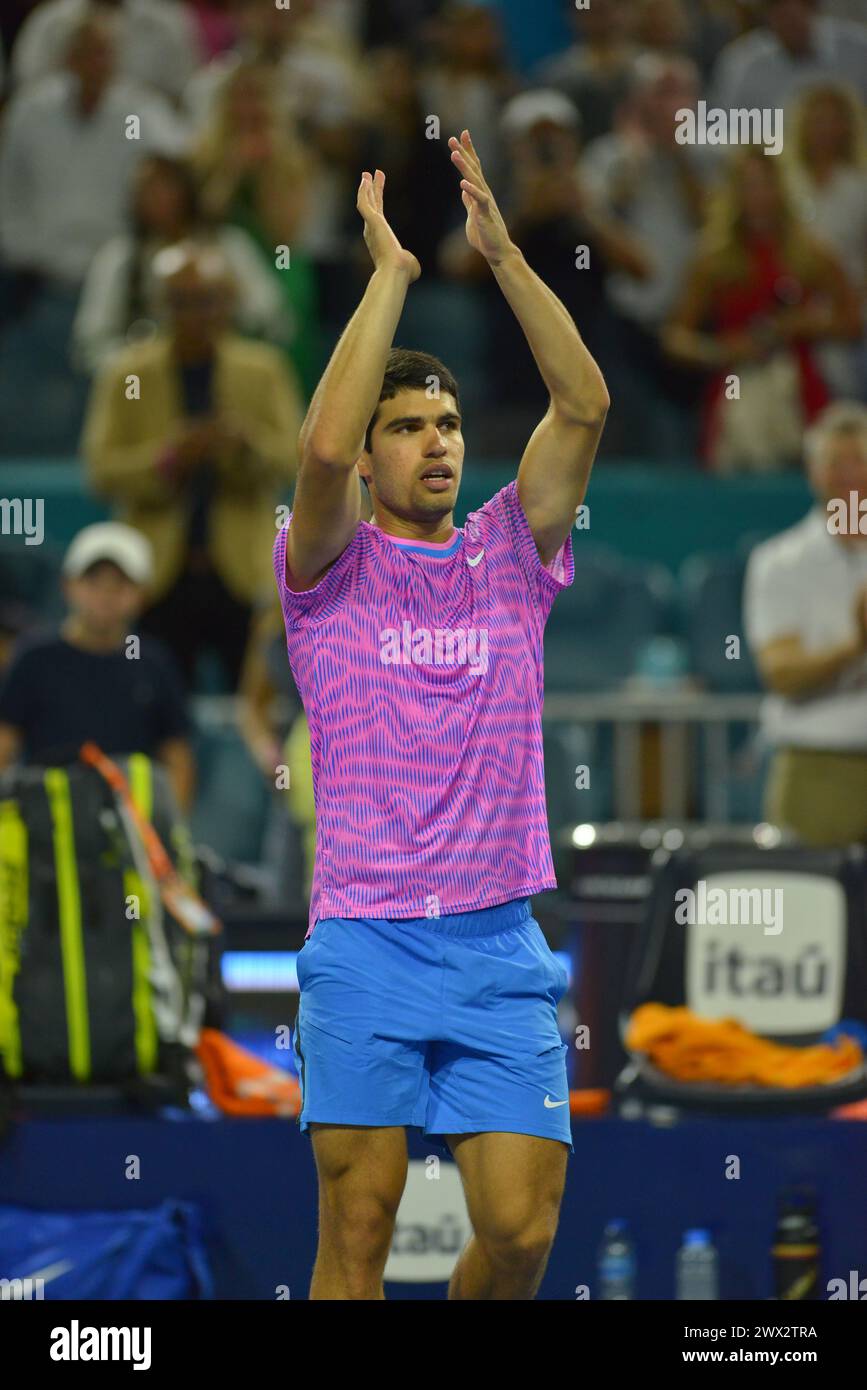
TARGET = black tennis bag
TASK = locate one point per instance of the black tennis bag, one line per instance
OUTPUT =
(98, 984)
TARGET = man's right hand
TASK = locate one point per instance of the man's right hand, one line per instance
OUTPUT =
(384, 247)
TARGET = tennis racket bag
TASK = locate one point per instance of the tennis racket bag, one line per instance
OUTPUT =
(97, 983)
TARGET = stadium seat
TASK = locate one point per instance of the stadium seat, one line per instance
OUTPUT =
(231, 796)
(790, 986)
(711, 588)
(600, 624)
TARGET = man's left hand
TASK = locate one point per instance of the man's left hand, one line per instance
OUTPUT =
(486, 231)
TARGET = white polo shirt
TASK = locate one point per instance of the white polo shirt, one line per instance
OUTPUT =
(804, 583)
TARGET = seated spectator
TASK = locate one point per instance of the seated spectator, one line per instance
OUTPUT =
(595, 73)
(805, 613)
(657, 188)
(115, 305)
(65, 167)
(760, 297)
(157, 43)
(796, 44)
(254, 174)
(826, 158)
(90, 681)
(196, 458)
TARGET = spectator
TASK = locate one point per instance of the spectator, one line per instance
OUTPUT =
(595, 73)
(696, 28)
(255, 174)
(116, 300)
(156, 41)
(65, 165)
(826, 155)
(796, 44)
(556, 225)
(315, 91)
(279, 738)
(197, 459)
(469, 80)
(89, 681)
(806, 622)
(393, 137)
(657, 187)
(760, 297)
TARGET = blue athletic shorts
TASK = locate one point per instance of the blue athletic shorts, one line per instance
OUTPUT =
(448, 1024)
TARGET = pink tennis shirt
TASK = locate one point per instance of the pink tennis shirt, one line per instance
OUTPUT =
(420, 668)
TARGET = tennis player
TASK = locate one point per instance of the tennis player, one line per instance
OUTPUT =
(428, 992)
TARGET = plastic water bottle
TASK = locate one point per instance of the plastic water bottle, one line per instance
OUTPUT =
(616, 1262)
(697, 1267)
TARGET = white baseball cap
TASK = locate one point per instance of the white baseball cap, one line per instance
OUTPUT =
(110, 540)
(544, 104)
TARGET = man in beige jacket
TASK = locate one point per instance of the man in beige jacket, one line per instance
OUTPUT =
(193, 436)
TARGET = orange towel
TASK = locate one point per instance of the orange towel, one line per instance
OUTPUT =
(239, 1083)
(690, 1048)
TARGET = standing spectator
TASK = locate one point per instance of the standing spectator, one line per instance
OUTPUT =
(156, 41)
(255, 173)
(315, 91)
(795, 44)
(826, 156)
(551, 217)
(66, 163)
(696, 28)
(806, 621)
(759, 299)
(468, 81)
(87, 682)
(116, 299)
(657, 187)
(595, 72)
(393, 137)
(197, 462)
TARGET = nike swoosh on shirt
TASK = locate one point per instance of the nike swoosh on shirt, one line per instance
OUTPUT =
(475, 560)
(552, 1104)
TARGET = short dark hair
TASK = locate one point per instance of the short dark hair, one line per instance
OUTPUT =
(407, 370)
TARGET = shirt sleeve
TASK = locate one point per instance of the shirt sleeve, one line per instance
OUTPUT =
(504, 520)
(316, 605)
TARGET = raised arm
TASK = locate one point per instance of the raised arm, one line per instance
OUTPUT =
(326, 509)
(555, 468)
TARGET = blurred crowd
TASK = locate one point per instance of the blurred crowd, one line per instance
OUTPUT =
(132, 125)
(179, 250)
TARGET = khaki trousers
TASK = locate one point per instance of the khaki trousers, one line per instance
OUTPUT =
(821, 796)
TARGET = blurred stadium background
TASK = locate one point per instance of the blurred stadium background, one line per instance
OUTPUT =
(252, 124)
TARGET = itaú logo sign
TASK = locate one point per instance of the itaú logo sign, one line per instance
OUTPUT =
(788, 980)
(432, 1225)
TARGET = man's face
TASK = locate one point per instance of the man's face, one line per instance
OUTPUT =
(841, 467)
(414, 437)
(104, 598)
(198, 307)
